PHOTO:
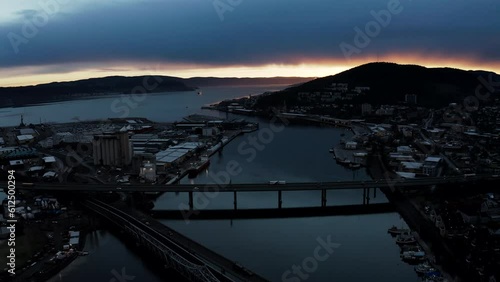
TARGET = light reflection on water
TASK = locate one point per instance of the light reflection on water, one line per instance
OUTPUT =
(267, 246)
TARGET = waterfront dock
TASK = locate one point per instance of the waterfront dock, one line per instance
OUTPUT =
(345, 156)
(225, 140)
(426, 233)
(349, 151)
(230, 136)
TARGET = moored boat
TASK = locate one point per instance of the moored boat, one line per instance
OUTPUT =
(424, 268)
(250, 127)
(405, 239)
(408, 248)
(413, 257)
(198, 167)
(434, 276)
(354, 165)
(345, 161)
(396, 231)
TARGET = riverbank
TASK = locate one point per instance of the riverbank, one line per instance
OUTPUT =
(442, 256)
(42, 265)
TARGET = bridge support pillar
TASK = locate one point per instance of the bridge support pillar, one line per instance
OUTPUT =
(374, 193)
(235, 201)
(191, 204)
(367, 196)
(280, 201)
(323, 198)
(364, 196)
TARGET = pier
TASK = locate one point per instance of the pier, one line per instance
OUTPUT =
(344, 156)
(208, 153)
(226, 140)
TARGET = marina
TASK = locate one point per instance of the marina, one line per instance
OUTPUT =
(352, 158)
(350, 151)
(415, 252)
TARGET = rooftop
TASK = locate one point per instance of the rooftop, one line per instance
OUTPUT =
(49, 159)
(412, 165)
(433, 159)
(16, 162)
(49, 174)
(24, 137)
(406, 174)
(36, 168)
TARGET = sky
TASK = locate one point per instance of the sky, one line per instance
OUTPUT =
(61, 40)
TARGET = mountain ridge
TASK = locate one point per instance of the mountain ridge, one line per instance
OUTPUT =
(390, 82)
(102, 86)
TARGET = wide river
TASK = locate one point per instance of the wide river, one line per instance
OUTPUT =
(270, 247)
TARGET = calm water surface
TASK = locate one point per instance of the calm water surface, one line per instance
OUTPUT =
(267, 246)
(272, 246)
(164, 107)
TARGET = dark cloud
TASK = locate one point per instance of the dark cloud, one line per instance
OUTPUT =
(254, 32)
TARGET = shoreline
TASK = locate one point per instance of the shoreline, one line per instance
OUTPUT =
(370, 170)
(428, 238)
(218, 147)
(83, 96)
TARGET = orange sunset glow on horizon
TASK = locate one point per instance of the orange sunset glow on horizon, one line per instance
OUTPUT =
(250, 140)
(33, 75)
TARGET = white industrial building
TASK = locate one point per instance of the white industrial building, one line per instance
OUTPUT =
(25, 139)
(148, 171)
(176, 154)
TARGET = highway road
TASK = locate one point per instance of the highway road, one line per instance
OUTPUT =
(253, 187)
